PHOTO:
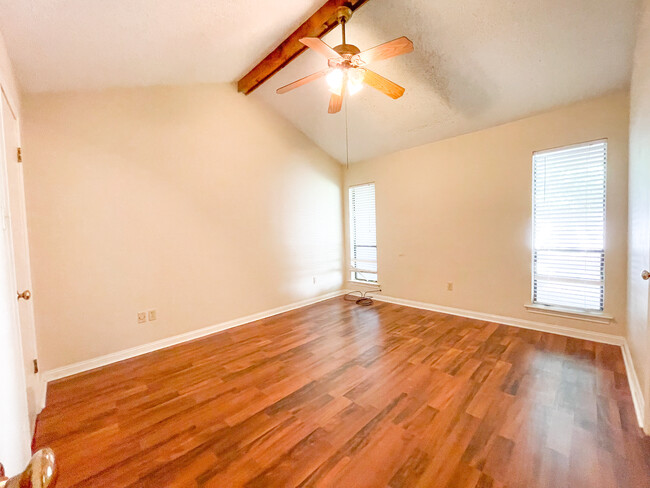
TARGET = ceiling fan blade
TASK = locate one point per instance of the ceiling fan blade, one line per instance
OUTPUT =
(320, 47)
(302, 81)
(401, 45)
(336, 101)
(382, 84)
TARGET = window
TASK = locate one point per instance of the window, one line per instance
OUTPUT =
(569, 226)
(363, 233)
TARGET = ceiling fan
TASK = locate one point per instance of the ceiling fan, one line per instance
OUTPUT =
(346, 71)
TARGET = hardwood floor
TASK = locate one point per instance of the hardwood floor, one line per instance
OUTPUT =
(346, 396)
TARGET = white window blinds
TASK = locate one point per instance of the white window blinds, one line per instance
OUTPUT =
(363, 233)
(569, 226)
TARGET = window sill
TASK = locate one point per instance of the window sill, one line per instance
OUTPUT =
(366, 283)
(597, 317)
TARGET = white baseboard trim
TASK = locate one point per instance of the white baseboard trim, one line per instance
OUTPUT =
(633, 379)
(635, 387)
(500, 319)
(82, 366)
(41, 394)
(39, 387)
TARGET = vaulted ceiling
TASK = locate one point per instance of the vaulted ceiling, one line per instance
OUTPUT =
(477, 63)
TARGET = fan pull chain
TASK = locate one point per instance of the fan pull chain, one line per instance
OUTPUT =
(347, 143)
(345, 100)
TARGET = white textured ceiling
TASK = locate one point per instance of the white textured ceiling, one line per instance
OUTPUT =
(477, 63)
(60, 45)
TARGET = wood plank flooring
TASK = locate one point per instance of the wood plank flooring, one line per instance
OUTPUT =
(340, 395)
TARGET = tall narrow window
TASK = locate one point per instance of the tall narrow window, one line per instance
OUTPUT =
(363, 233)
(569, 226)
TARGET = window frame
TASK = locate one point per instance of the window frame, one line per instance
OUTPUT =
(353, 272)
(594, 315)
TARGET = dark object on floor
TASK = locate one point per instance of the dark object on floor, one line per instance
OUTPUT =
(362, 299)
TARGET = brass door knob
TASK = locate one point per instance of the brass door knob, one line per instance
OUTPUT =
(645, 274)
(41, 472)
(26, 295)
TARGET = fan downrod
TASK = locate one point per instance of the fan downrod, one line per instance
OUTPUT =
(343, 15)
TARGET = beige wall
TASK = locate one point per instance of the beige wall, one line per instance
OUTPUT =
(194, 201)
(639, 208)
(459, 211)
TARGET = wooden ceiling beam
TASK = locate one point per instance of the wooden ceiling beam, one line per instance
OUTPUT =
(319, 24)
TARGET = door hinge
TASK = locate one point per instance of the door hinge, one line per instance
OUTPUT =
(35, 366)
(19, 154)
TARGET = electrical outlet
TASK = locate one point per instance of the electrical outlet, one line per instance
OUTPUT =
(152, 315)
(142, 317)
(450, 286)
(313, 279)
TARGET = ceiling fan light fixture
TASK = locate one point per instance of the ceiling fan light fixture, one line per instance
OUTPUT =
(355, 80)
(335, 80)
(354, 87)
